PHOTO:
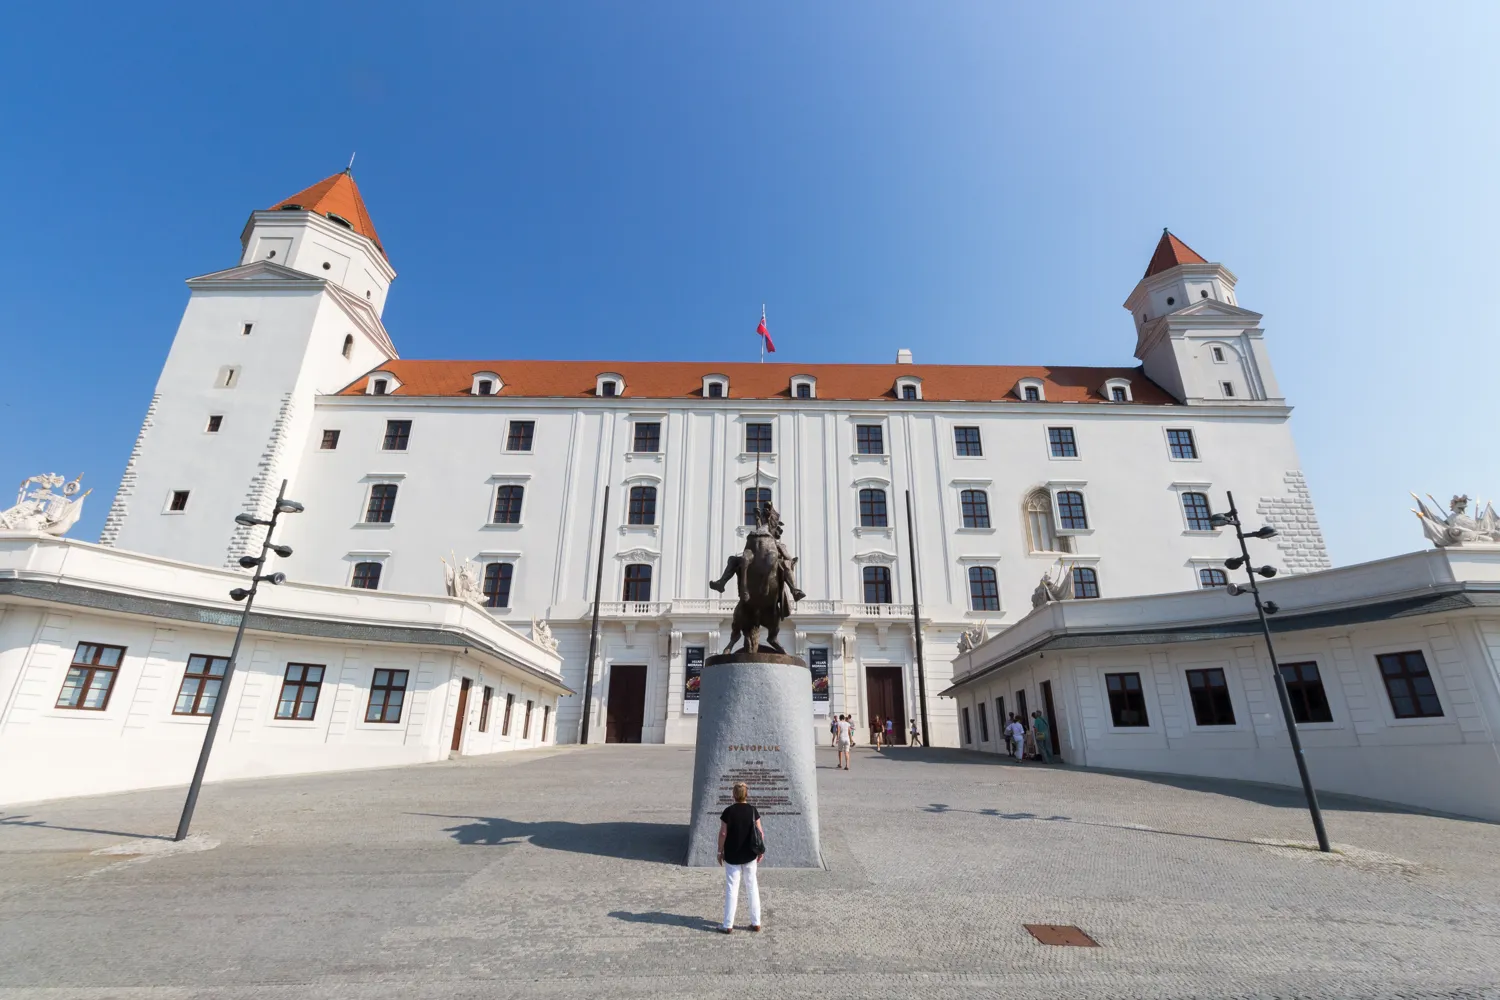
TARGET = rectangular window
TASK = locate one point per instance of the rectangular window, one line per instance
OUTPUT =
(1062, 442)
(382, 503)
(519, 438)
(91, 677)
(1210, 693)
(1000, 712)
(908, 392)
(546, 718)
(486, 387)
(637, 582)
(1070, 512)
(755, 500)
(245, 331)
(804, 391)
(968, 736)
(1195, 508)
(976, 508)
(215, 422)
(1127, 702)
(647, 437)
(758, 438)
(510, 703)
(508, 504)
(1180, 444)
(966, 441)
(179, 500)
(1228, 389)
(1304, 689)
(1085, 583)
(870, 439)
(984, 724)
(872, 509)
(380, 385)
(608, 387)
(1212, 578)
(484, 709)
(497, 577)
(386, 695)
(1118, 394)
(1409, 685)
(330, 440)
(299, 691)
(366, 576)
(397, 434)
(1219, 354)
(716, 390)
(199, 689)
(526, 725)
(643, 505)
(877, 584)
(984, 591)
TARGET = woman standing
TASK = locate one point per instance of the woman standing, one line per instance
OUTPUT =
(741, 846)
(877, 733)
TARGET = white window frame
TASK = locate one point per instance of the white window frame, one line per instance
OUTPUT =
(1179, 488)
(602, 377)
(1147, 671)
(166, 505)
(640, 479)
(953, 442)
(721, 380)
(1111, 385)
(392, 383)
(371, 481)
(1207, 562)
(505, 447)
(904, 381)
(228, 377)
(959, 486)
(1238, 702)
(486, 377)
(1031, 383)
(511, 556)
(742, 424)
(1226, 389)
(1047, 443)
(1218, 355)
(869, 483)
(1371, 668)
(1056, 486)
(498, 480)
(1333, 687)
(990, 561)
(356, 556)
(1167, 442)
(807, 380)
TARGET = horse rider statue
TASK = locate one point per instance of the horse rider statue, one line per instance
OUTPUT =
(765, 574)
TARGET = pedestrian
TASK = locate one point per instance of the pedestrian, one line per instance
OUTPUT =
(1043, 732)
(842, 736)
(1017, 734)
(890, 732)
(742, 843)
(833, 732)
(916, 737)
(875, 732)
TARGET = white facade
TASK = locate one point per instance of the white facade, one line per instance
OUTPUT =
(1437, 611)
(316, 360)
(58, 597)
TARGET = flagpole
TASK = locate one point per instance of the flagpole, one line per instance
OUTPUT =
(762, 342)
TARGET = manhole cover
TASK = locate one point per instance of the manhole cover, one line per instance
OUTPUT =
(1064, 934)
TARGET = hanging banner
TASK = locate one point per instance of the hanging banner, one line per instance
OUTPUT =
(693, 655)
(817, 664)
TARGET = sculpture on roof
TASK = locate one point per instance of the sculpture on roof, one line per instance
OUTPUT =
(973, 638)
(766, 575)
(462, 579)
(1457, 528)
(541, 634)
(47, 504)
(1049, 590)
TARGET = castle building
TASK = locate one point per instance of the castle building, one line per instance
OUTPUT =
(1102, 478)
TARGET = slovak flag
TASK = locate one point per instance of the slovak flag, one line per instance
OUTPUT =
(765, 333)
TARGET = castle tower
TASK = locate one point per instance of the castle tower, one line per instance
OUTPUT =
(297, 317)
(1192, 336)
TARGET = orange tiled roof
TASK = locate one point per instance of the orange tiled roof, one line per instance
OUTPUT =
(339, 195)
(750, 380)
(1169, 253)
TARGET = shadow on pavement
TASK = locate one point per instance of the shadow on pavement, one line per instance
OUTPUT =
(24, 819)
(666, 919)
(665, 843)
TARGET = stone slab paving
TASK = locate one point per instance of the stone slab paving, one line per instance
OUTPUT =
(555, 874)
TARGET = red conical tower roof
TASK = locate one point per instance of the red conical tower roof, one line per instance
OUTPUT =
(339, 196)
(1169, 253)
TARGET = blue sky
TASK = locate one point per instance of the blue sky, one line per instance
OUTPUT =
(982, 183)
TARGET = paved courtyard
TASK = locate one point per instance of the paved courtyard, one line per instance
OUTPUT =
(554, 874)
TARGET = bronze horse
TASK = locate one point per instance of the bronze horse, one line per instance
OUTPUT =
(763, 571)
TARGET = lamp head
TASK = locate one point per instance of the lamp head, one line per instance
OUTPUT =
(1271, 607)
(1265, 532)
(283, 551)
(1234, 563)
(239, 594)
(1219, 520)
(249, 562)
(1267, 571)
(274, 578)
(289, 507)
(248, 520)
(1234, 590)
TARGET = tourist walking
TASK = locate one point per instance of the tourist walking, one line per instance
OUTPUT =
(915, 736)
(1017, 734)
(1043, 733)
(742, 843)
(833, 732)
(890, 732)
(875, 732)
(843, 734)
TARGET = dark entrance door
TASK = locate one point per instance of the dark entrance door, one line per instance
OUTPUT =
(626, 711)
(1022, 712)
(885, 697)
(1051, 715)
(462, 716)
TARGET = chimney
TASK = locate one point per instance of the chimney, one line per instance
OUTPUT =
(903, 357)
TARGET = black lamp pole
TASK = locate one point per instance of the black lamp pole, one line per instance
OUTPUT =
(916, 625)
(283, 506)
(588, 683)
(1262, 609)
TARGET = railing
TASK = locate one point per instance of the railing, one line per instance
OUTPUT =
(633, 609)
(725, 606)
(878, 610)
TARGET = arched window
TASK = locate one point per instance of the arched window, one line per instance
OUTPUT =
(976, 508)
(1070, 510)
(348, 344)
(497, 577)
(877, 584)
(755, 499)
(1195, 508)
(984, 591)
(366, 576)
(508, 504)
(1209, 578)
(643, 505)
(1041, 532)
(1085, 583)
(638, 582)
(872, 509)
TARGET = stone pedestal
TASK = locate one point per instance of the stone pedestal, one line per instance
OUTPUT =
(754, 725)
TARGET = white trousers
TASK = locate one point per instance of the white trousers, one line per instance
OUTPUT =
(732, 874)
(1020, 750)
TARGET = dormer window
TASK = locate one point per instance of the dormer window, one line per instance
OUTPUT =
(1032, 390)
(291, 208)
(804, 387)
(1117, 390)
(382, 384)
(485, 384)
(908, 388)
(609, 384)
(340, 220)
(715, 386)
(485, 387)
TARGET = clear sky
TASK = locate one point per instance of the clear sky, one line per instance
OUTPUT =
(982, 183)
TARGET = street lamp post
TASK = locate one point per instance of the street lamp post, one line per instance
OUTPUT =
(257, 563)
(1264, 608)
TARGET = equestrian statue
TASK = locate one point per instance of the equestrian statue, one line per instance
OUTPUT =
(766, 575)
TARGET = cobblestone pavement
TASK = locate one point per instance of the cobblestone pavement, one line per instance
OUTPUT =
(554, 874)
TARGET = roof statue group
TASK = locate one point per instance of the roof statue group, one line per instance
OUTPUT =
(47, 504)
(1457, 528)
(766, 575)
